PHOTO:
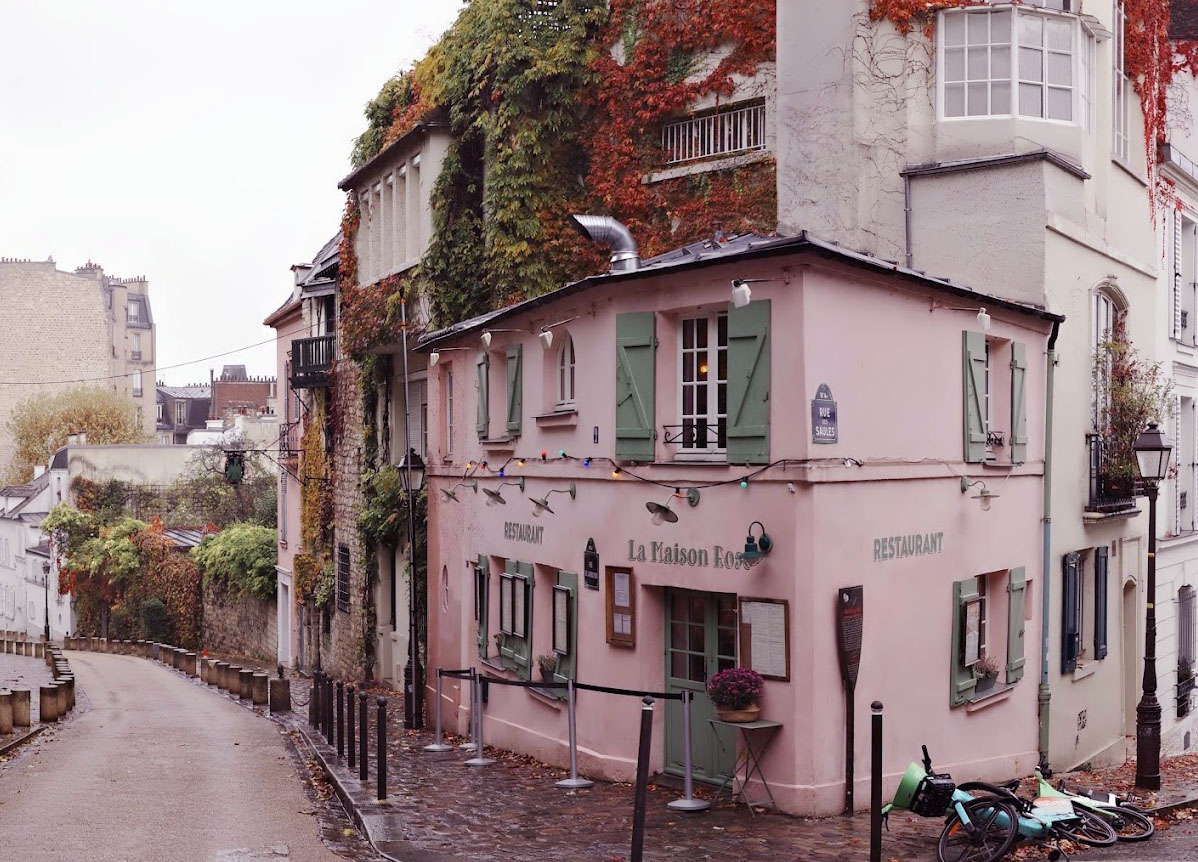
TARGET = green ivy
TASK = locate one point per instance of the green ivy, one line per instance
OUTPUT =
(241, 557)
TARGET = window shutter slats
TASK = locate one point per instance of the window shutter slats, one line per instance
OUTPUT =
(515, 387)
(961, 679)
(567, 665)
(484, 409)
(1177, 277)
(482, 583)
(1016, 598)
(1070, 629)
(635, 390)
(749, 383)
(1018, 403)
(1100, 601)
(974, 351)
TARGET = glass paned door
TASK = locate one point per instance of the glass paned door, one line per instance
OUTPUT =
(700, 641)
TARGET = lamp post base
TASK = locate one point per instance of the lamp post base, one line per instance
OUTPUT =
(1148, 743)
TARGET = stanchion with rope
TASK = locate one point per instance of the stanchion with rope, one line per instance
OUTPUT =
(688, 802)
(439, 744)
(480, 758)
(573, 782)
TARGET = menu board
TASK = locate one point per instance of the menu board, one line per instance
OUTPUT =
(561, 620)
(973, 631)
(765, 637)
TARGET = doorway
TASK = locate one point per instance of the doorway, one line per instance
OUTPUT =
(700, 641)
(283, 623)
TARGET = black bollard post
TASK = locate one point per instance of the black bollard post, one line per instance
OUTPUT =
(351, 748)
(363, 741)
(340, 719)
(380, 767)
(642, 781)
(875, 801)
(329, 732)
(314, 699)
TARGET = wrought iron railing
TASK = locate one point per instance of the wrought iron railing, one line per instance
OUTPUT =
(311, 359)
(289, 439)
(718, 134)
(696, 435)
(1107, 495)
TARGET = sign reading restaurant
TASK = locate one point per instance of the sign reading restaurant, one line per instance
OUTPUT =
(679, 555)
(517, 532)
(913, 545)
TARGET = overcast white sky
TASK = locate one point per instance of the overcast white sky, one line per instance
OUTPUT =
(198, 144)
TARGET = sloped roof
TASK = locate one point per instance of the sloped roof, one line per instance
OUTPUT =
(183, 537)
(194, 390)
(41, 549)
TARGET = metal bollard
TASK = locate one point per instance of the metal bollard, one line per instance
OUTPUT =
(688, 802)
(573, 782)
(314, 700)
(439, 743)
(642, 781)
(875, 806)
(468, 745)
(340, 719)
(351, 748)
(363, 753)
(381, 766)
(480, 758)
(329, 731)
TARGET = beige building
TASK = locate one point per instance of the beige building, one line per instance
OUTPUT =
(65, 326)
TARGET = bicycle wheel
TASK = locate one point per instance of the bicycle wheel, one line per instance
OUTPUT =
(1129, 824)
(995, 826)
(1090, 828)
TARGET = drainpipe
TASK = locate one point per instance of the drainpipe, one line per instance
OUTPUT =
(907, 216)
(624, 254)
(1045, 696)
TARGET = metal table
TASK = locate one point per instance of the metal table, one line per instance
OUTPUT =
(749, 759)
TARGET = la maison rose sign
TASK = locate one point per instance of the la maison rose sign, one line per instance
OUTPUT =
(674, 554)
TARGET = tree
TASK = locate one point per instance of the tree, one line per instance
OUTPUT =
(41, 424)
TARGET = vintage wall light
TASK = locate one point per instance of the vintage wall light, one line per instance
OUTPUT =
(985, 495)
(541, 505)
(546, 334)
(486, 336)
(435, 356)
(983, 317)
(663, 514)
(494, 498)
(757, 549)
(450, 495)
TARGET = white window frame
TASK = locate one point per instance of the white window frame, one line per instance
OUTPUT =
(712, 417)
(133, 311)
(449, 411)
(513, 614)
(566, 374)
(161, 411)
(1121, 88)
(135, 345)
(1103, 314)
(283, 506)
(1079, 39)
(180, 412)
(138, 386)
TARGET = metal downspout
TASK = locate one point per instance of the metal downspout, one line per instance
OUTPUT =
(1045, 695)
(907, 216)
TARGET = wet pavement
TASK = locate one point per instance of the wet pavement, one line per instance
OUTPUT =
(18, 671)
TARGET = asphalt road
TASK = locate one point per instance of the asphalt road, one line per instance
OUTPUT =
(156, 769)
(1178, 842)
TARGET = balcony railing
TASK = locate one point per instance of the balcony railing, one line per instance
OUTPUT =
(289, 439)
(311, 359)
(719, 134)
(1106, 496)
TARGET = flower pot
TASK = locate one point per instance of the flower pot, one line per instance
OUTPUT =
(738, 716)
(546, 675)
(984, 684)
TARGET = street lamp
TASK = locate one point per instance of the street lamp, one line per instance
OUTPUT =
(413, 672)
(46, 584)
(1152, 459)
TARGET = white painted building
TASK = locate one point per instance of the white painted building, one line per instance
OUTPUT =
(28, 575)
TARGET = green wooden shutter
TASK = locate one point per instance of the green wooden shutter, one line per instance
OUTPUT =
(749, 383)
(515, 388)
(567, 665)
(482, 598)
(1100, 601)
(484, 405)
(961, 680)
(1016, 597)
(522, 651)
(1018, 403)
(975, 390)
(1070, 635)
(635, 389)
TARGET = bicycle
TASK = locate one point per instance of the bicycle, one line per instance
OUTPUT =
(984, 828)
(1129, 822)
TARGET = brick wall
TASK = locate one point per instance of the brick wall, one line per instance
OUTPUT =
(241, 625)
(231, 397)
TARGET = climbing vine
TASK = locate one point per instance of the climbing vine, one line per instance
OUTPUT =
(313, 565)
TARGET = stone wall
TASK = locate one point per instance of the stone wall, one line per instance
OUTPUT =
(240, 624)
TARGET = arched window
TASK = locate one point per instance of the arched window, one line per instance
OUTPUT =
(1107, 306)
(565, 373)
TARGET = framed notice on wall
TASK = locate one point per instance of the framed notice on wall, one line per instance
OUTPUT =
(972, 636)
(561, 620)
(765, 637)
(621, 607)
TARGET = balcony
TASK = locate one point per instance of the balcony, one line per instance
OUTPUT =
(289, 439)
(311, 359)
(1108, 498)
(722, 133)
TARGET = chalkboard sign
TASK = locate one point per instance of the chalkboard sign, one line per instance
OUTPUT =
(824, 428)
(590, 566)
(849, 629)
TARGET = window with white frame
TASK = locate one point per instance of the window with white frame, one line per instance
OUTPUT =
(133, 310)
(1121, 109)
(565, 373)
(137, 387)
(135, 345)
(704, 383)
(1003, 61)
(448, 411)
(180, 412)
(161, 412)
(1104, 315)
(1088, 64)
(283, 506)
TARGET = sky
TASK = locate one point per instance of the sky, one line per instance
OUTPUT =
(197, 144)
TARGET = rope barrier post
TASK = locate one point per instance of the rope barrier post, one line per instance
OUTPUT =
(363, 742)
(642, 781)
(381, 766)
(480, 758)
(573, 782)
(688, 802)
(351, 747)
(439, 741)
(875, 805)
(468, 745)
(340, 718)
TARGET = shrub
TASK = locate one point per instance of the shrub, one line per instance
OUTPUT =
(155, 622)
(241, 557)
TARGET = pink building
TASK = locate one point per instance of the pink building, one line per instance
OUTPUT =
(884, 428)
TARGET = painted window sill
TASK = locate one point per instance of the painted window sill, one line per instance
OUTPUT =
(1106, 517)
(547, 696)
(494, 664)
(995, 695)
(499, 444)
(1129, 170)
(564, 418)
(1084, 670)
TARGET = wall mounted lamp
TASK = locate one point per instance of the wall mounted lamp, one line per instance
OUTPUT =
(541, 505)
(757, 549)
(486, 336)
(494, 498)
(663, 514)
(983, 317)
(546, 334)
(435, 356)
(985, 495)
(742, 294)
(450, 495)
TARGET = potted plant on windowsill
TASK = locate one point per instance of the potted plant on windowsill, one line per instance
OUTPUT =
(986, 671)
(548, 665)
(735, 693)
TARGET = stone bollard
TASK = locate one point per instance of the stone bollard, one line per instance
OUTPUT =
(60, 692)
(245, 683)
(232, 678)
(5, 711)
(47, 703)
(189, 663)
(68, 683)
(21, 707)
(222, 675)
(204, 670)
(37, 649)
(258, 684)
(279, 695)
(68, 642)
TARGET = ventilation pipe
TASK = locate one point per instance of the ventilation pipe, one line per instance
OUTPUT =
(605, 229)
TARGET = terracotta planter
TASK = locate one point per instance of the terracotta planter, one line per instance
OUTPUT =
(749, 713)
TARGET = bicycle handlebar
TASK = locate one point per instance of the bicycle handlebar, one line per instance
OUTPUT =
(927, 760)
